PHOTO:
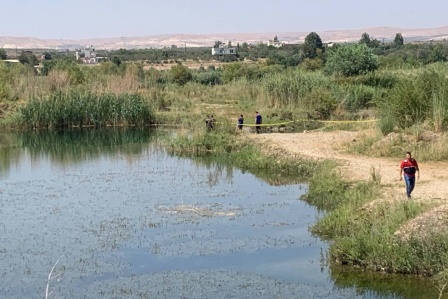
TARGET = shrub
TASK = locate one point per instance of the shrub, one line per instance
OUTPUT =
(418, 98)
(208, 77)
(351, 60)
(386, 122)
(180, 74)
(358, 97)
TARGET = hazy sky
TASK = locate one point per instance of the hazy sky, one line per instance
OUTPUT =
(115, 18)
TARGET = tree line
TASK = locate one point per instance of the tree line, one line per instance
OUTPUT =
(312, 54)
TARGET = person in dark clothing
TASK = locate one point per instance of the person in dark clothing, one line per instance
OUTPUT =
(240, 122)
(207, 122)
(258, 122)
(408, 169)
(212, 122)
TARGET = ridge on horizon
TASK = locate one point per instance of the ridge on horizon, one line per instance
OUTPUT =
(202, 40)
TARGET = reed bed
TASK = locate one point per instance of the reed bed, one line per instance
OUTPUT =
(85, 109)
(297, 89)
(417, 99)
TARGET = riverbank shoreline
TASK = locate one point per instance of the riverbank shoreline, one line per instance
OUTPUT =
(428, 203)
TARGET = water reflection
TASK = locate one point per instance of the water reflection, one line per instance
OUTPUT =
(225, 168)
(10, 151)
(73, 146)
(382, 285)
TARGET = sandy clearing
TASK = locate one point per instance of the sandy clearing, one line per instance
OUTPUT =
(432, 184)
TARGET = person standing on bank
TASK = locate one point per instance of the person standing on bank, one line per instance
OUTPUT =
(207, 122)
(240, 122)
(258, 121)
(212, 122)
(408, 169)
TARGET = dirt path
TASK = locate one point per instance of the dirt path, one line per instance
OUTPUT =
(432, 184)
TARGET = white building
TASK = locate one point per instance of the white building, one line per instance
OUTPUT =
(87, 55)
(223, 51)
(276, 43)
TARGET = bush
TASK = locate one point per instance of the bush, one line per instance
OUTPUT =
(180, 74)
(386, 122)
(312, 64)
(351, 60)
(208, 77)
(382, 80)
(358, 97)
(418, 98)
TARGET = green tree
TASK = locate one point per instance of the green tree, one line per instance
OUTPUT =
(374, 43)
(351, 60)
(116, 60)
(217, 44)
(3, 55)
(398, 40)
(365, 39)
(313, 42)
(28, 58)
(180, 74)
(368, 41)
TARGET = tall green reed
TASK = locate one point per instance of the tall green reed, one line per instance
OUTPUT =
(78, 108)
(297, 89)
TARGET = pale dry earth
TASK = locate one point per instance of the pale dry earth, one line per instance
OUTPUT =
(207, 40)
(431, 187)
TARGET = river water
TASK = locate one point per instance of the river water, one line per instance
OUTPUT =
(109, 214)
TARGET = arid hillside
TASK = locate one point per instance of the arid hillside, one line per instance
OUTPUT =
(204, 40)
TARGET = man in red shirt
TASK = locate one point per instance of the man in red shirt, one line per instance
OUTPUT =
(408, 168)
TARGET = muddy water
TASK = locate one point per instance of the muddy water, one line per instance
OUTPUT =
(117, 217)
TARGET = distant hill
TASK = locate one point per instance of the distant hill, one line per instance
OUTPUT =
(208, 40)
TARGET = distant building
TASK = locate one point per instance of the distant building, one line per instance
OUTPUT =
(87, 55)
(276, 43)
(223, 51)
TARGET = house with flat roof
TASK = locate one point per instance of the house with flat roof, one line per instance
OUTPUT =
(223, 51)
(276, 43)
(87, 55)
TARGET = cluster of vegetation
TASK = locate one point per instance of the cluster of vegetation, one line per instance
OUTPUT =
(224, 146)
(80, 109)
(325, 82)
(364, 235)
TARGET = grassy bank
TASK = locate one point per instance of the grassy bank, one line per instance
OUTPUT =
(365, 235)
(223, 145)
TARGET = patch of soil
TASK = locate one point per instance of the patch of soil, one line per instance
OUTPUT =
(426, 223)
